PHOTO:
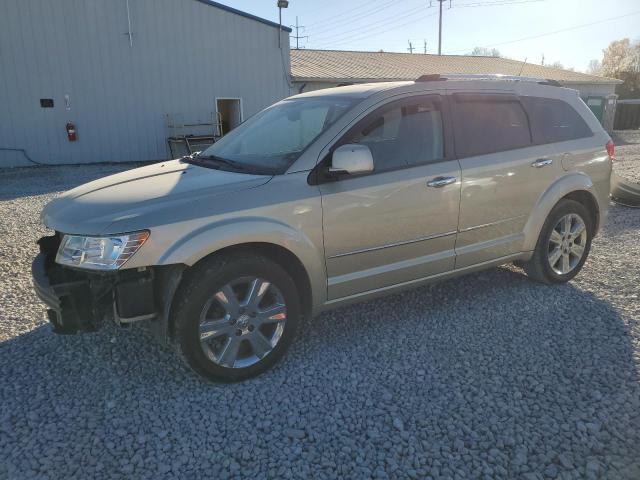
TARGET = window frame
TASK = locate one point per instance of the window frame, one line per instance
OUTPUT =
(320, 174)
(487, 97)
(527, 99)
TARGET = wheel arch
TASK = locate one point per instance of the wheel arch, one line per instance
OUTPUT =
(278, 254)
(575, 186)
(285, 258)
(589, 201)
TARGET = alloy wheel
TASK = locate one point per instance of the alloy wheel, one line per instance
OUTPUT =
(567, 244)
(243, 322)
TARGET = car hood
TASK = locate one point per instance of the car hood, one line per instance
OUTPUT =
(132, 198)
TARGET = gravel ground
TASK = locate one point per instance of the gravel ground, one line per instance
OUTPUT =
(487, 376)
(627, 163)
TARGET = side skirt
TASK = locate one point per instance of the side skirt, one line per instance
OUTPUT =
(359, 297)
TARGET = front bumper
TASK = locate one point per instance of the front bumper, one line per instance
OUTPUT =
(80, 301)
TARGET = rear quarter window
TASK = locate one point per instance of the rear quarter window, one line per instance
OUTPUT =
(487, 123)
(554, 120)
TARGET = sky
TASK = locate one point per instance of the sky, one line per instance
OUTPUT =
(571, 32)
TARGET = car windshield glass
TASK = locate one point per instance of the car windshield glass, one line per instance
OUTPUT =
(272, 140)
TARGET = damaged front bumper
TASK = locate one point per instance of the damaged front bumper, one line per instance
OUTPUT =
(81, 301)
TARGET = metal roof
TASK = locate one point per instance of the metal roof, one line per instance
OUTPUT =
(343, 66)
(244, 14)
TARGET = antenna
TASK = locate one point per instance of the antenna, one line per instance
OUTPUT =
(522, 66)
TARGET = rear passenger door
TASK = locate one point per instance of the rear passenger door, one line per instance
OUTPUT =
(503, 174)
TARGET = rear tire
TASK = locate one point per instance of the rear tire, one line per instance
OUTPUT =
(235, 316)
(563, 245)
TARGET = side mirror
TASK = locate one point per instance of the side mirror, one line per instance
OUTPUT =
(351, 159)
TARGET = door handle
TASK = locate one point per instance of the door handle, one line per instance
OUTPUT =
(439, 182)
(542, 162)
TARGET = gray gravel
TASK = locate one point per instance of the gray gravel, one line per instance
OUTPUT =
(488, 376)
(627, 163)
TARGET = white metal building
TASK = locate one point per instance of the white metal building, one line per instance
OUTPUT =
(124, 75)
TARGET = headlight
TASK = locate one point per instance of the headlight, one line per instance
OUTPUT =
(99, 253)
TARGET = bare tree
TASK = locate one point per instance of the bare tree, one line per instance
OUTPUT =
(595, 67)
(557, 64)
(621, 60)
(485, 52)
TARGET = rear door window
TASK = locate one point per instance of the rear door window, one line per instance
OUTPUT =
(487, 123)
(555, 120)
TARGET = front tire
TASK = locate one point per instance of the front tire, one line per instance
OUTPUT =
(235, 316)
(563, 245)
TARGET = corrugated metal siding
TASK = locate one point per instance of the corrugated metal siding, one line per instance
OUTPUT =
(185, 54)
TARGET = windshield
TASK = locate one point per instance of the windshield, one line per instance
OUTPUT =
(273, 139)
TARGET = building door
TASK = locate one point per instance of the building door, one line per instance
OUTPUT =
(228, 114)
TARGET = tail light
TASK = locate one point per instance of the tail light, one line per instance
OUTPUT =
(611, 150)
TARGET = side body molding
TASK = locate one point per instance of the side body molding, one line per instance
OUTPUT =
(210, 238)
(572, 182)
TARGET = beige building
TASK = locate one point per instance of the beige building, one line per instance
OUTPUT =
(315, 69)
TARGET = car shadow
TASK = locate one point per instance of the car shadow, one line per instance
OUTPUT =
(490, 360)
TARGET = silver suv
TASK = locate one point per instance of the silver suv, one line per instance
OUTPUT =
(324, 199)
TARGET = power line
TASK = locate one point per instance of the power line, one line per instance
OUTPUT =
(341, 15)
(532, 37)
(375, 28)
(375, 24)
(343, 21)
(497, 3)
(378, 32)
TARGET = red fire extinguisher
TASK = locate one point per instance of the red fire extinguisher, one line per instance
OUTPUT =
(72, 135)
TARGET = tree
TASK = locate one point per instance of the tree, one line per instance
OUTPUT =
(560, 65)
(621, 60)
(485, 52)
(595, 67)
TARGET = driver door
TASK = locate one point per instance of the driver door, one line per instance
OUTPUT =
(398, 223)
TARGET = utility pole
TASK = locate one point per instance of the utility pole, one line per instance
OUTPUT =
(439, 23)
(410, 47)
(440, 29)
(297, 35)
(543, 59)
(425, 46)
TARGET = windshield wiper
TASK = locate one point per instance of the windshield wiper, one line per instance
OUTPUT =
(206, 161)
(231, 163)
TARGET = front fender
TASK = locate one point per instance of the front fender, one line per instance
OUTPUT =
(571, 182)
(210, 238)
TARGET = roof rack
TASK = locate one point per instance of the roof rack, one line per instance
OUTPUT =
(482, 76)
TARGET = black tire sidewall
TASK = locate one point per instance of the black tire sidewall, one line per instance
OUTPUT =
(202, 284)
(563, 208)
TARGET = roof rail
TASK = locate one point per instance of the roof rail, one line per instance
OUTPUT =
(483, 76)
(434, 77)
